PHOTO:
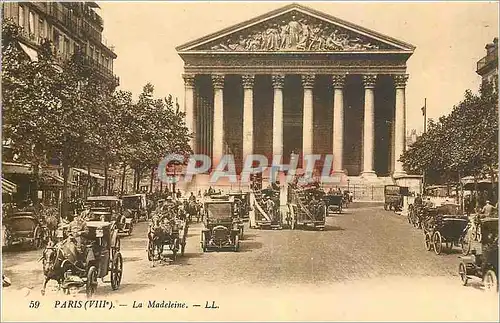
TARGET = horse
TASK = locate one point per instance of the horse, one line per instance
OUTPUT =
(156, 236)
(57, 259)
(192, 208)
(51, 217)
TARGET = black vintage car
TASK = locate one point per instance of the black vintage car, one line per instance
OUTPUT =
(25, 227)
(220, 231)
(483, 262)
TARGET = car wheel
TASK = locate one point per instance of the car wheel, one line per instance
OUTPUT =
(490, 281)
(437, 242)
(462, 271)
(91, 284)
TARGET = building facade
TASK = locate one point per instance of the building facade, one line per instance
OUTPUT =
(298, 80)
(487, 66)
(70, 26)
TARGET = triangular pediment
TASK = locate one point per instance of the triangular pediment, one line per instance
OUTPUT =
(295, 28)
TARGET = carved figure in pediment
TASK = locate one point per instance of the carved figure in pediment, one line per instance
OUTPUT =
(317, 38)
(284, 35)
(304, 35)
(294, 30)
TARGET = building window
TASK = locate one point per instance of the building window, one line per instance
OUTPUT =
(67, 49)
(31, 23)
(41, 28)
(91, 52)
(21, 16)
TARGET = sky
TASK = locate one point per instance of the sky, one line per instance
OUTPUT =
(449, 38)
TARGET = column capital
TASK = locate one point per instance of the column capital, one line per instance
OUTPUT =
(188, 80)
(338, 81)
(308, 81)
(218, 81)
(369, 80)
(278, 81)
(400, 80)
(248, 81)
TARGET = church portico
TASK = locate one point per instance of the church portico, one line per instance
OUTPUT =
(308, 89)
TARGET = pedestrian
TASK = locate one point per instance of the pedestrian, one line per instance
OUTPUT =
(488, 210)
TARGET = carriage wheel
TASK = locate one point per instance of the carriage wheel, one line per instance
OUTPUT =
(428, 243)
(490, 281)
(175, 249)
(91, 284)
(116, 271)
(151, 250)
(437, 242)
(38, 238)
(183, 247)
(462, 271)
(129, 233)
(236, 243)
(465, 244)
(203, 242)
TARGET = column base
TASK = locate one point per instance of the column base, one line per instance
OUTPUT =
(369, 174)
(399, 173)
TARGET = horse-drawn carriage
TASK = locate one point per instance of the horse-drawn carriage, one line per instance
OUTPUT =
(483, 262)
(306, 207)
(242, 200)
(137, 205)
(193, 209)
(444, 225)
(221, 230)
(110, 209)
(102, 257)
(334, 203)
(25, 227)
(166, 230)
(393, 199)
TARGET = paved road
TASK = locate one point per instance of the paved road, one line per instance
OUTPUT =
(364, 245)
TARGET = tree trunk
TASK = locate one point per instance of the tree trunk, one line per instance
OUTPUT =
(151, 180)
(89, 180)
(123, 178)
(35, 183)
(64, 206)
(106, 188)
(476, 195)
(134, 182)
(461, 191)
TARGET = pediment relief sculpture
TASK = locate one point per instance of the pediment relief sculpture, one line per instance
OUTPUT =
(295, 32)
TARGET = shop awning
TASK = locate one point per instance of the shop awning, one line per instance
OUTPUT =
(8, 187)
(30, 52)
(48, 181)
(83, 171)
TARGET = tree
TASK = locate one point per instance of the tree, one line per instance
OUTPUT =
(461, 143)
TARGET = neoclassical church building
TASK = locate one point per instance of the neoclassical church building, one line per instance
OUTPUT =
(299, 80)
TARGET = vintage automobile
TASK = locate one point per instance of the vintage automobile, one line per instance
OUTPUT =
(483, 260)
(333, 203)
(103, 257)
(220, 231)
(25, 227)
(444, 225)
(301, 212)
(109, 209)
(136, 204)
(393, 198)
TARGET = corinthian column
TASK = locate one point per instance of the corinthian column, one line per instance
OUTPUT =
(338, 122)
(218, 128)
(400, 123)
(248, 81)
(189, 108)
(369, 129)
(278, 82)
(307, 121)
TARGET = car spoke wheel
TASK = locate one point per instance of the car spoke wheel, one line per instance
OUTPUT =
(38, 238)
(428, 242)
(465, 243)
(150, 250)
(236, 243)
(437, 242)
(116, 271)
(91, 284)
(490, 281)
(462, 271)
